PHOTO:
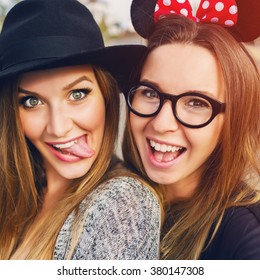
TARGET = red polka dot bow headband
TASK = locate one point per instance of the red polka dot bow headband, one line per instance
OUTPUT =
(216, 11)
(240, 17)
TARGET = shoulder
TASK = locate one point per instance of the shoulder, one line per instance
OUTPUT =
(124, 184)
(121, 198)
(242, 218)
(122, 190)
(128, 186)
(126, 197)
(238, 236)
(121, 220)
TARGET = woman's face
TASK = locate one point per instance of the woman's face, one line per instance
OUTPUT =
(63, 114)
(176, 69)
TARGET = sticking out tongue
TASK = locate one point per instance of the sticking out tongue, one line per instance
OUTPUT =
(80, 148)
(167, 156)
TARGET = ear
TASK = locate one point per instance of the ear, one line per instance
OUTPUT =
(248, 24)
(142, 15)
(247, 27)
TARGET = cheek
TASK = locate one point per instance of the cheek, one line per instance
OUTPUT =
(205, 140)
(92, 116)
(32, 124)
(137, 125)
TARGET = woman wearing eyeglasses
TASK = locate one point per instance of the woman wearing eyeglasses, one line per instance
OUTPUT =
(193, 127)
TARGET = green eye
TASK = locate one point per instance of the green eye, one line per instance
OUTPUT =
(33, 102)
(79, 94)
(30, 102)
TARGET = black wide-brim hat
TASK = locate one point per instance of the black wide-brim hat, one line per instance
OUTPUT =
(246, 29)
(42, 34)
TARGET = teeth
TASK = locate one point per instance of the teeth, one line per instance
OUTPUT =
(152, 143)
(164, 148)
(65, 145)
(157, 147)
(169, 148)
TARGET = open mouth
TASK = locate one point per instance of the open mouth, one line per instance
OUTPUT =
(165, 153)
(63, 148)
(78, 147)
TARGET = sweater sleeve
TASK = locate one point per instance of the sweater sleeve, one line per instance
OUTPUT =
(122, 222)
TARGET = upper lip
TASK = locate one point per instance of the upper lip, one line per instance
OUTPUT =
(62, 142)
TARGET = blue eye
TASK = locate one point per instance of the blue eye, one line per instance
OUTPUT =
(79, 94)
(30, 101)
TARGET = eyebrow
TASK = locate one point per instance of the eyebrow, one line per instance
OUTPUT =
(80, 79)
(189, 91)
(21, 90)
(69, 86)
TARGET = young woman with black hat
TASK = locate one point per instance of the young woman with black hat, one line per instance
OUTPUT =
(63, 194)
(193, 124)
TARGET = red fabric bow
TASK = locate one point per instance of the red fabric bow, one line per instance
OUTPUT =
(222, 12)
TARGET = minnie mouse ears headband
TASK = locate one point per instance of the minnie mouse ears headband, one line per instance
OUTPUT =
(240, 17)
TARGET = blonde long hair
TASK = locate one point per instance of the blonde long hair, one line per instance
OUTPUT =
(225, 181)
(22, 176)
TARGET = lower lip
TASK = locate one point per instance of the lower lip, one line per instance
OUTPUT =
(64, 157)
(158, 164)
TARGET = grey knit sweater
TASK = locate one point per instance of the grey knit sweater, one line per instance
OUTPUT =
(121, 220)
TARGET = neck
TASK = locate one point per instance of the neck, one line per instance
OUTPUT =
(182, 189)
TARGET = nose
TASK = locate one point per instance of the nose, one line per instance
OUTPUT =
(59, 122)
(165, 120)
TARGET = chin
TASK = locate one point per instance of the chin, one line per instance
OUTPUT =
(74, 173)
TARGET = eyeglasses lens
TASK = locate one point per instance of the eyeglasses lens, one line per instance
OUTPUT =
(189, 109)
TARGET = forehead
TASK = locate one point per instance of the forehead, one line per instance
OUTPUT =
(56, 75)
(177, 68)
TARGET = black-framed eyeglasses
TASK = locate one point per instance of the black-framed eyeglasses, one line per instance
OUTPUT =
(191, 109)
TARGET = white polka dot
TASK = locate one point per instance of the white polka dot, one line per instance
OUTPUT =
(204, 17)
(184, 12)
(172, 12)
(167, 2)
(214, 20)
(233, 10)
(156, 8)
(181, 1)
(229, 23)
(205, 4)
(219, 6)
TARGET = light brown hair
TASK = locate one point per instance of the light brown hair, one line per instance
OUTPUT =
(225, 181)
(22, 176)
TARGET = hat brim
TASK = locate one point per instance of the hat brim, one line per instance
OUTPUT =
(121, 61)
